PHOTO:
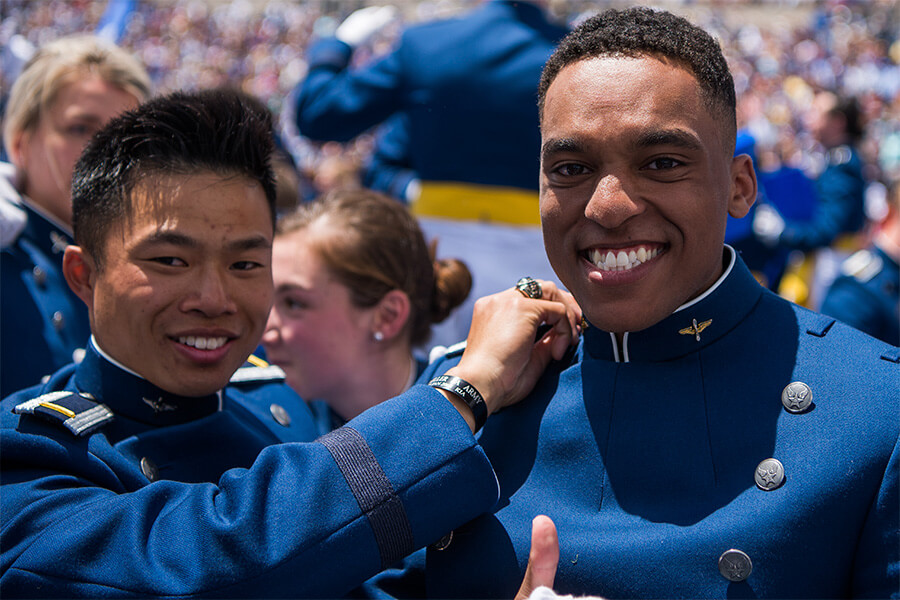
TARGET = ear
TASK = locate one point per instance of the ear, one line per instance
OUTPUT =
(17, 149)
(392, 313)
(79, 270)
(743, 186)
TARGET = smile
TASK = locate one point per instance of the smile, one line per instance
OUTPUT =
(203, 343)
(622, 260)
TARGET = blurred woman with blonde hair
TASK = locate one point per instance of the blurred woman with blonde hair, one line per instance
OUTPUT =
(68, 90)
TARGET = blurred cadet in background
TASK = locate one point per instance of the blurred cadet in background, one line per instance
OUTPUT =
(839, 213)
(68, 90)
(866, 294)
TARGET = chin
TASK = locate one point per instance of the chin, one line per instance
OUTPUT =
(199, 386)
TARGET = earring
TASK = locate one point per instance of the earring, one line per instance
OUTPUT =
(378, 336)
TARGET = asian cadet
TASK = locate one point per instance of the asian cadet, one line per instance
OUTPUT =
(144, 471)
(707, 439)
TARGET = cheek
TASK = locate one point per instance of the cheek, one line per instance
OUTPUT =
(257, 304)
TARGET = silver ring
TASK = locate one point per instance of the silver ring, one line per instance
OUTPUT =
(530, 288)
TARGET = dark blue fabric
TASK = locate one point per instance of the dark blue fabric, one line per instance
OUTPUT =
(389, 169)
(373, 491)
(871, 304)
(840, 203)
(31, 345)
(468, 87)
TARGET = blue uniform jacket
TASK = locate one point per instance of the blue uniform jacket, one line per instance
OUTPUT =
(389, 168)
(145, 493)
(42, 321)
(468, 87)
(840, 206)
(647, 461)
(867, 295)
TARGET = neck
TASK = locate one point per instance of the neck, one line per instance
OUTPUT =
(386, 375)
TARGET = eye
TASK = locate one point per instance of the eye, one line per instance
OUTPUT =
(81, 130)
(663, 163)
(169, 261)
(294, 304)
(570, 170)
(246, 265)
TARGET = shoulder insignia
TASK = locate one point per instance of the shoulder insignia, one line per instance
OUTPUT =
(862, 266)
(439, 352)
(251, 374)
(76, 412)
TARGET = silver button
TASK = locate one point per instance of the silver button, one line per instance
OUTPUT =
(443, 543)
(58, 320)
(796, 397)
(149, 469)
(735, 565)
(40, 276)
(281, 416)
(769, 474)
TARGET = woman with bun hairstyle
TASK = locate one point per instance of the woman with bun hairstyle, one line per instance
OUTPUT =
(356, 290)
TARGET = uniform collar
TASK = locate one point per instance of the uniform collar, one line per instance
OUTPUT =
(44, 230)
(692, 326)
(132, 396)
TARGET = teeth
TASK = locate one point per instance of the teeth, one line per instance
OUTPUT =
(202, 343)
(622, 261)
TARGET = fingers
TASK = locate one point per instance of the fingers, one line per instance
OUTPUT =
(502, 359)
(573, 312)
(543, 558)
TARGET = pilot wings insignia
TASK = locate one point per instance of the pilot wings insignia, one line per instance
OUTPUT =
(695, 328)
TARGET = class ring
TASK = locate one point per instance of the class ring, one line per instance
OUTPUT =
(530, 288)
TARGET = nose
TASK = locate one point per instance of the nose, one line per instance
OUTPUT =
(210, 294)
(612, 204)
(272, 333)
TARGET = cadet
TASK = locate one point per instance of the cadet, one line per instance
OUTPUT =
(140, 472)
(465, 90)
(707, 439)
(65, 93)
(866, 295)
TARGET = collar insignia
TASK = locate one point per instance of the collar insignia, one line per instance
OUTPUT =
(158, 405)
(695, 328)
(59, 243)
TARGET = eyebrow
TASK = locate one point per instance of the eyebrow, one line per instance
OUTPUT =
(174, 238)
(557, 145)
(669, 137)
(290, 287)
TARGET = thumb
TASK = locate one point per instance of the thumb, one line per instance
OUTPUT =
(543, 558)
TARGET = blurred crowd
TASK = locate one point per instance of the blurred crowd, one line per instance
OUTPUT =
(848, 47)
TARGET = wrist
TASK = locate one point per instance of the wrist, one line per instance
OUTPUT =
(459, 391)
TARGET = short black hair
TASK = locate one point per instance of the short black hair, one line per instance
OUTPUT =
(222, 131)
(642, 31)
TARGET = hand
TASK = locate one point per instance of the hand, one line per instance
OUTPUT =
(502, 359)
(362, 24)
(543, 558)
